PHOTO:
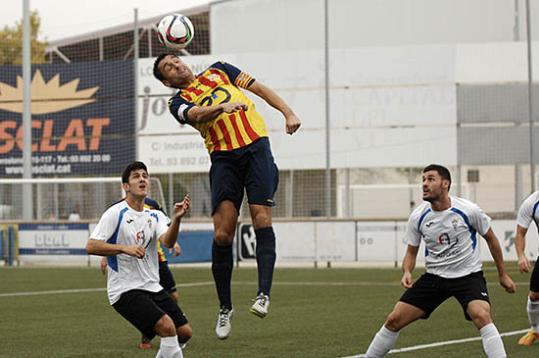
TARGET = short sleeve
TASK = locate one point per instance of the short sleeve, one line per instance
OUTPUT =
(526, 211)
(105, 227)
(236, 76)
(179, 107)
(413, 235)
(479, 220)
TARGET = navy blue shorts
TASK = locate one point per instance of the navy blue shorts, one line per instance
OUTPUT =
(250, 168)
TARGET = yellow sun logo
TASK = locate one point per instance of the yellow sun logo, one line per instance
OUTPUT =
(47, 97)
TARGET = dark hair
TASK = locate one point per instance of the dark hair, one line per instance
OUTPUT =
(130, 168)
(441, 170)
(156, 71)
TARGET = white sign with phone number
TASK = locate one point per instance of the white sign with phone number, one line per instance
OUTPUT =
(174, 153)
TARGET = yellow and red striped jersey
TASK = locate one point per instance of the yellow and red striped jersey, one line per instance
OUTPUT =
(221, 83)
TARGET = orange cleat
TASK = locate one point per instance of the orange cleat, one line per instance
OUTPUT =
(145, 343)
(528, 338)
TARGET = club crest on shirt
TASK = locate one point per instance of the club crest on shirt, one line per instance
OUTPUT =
(213, 77)
(455, 223)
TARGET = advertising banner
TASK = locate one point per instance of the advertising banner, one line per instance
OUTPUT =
(82, 118)
(53, 243)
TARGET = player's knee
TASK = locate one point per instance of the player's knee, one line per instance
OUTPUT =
(165, 327)
(481, 317)
(184, 333)
(394, 321)
(534, 296)
(223, 238)
(261, 220)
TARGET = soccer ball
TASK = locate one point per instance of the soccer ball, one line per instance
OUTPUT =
(175, 31)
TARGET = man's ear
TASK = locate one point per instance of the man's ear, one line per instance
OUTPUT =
(446, 183)
(166, 83)
(125, 187)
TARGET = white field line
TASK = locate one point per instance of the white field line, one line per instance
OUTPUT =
(352, 283)
(444, 343)
(82, 290)
(208, 283)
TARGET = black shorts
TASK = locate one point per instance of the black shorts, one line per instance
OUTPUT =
(251, 168)
(166, 280)
(143, 309)
(430, 291)
(534, 279)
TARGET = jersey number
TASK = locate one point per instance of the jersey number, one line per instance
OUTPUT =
(208, 100)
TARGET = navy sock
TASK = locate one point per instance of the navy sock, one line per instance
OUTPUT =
(265, 258)
(222, 264)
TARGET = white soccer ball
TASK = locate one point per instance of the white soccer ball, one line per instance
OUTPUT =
(175, 31)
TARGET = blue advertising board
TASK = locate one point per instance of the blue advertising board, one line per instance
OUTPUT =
(196, 247)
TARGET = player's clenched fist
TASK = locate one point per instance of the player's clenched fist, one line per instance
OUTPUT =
(135, 251)
(292, 123)
(406, 280)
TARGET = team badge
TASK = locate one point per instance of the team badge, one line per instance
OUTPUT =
(455, 223)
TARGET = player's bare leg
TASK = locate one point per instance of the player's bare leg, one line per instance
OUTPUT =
(479, 312)
(265, 257)
(532, 307)
(169, 340)
(402, 315)
(184, 333)
(225, 220)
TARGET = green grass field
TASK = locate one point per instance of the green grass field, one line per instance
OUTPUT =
(313, 313)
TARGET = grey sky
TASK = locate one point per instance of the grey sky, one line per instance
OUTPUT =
(66, 18)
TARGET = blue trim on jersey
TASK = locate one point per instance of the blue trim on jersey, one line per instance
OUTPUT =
(421, 218)
(473, 232)
(231, 71)
(533, 215)
(112, 261)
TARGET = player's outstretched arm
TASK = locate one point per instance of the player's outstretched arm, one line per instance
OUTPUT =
(209, 113)
(169, 238)
(272, 98)
(102, 248)
(408, 265)
(520, 245)
(497, 255)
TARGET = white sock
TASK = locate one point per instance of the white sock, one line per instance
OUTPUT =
(492, 341)
(533, 314)
(169, 348)
(382, 343)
